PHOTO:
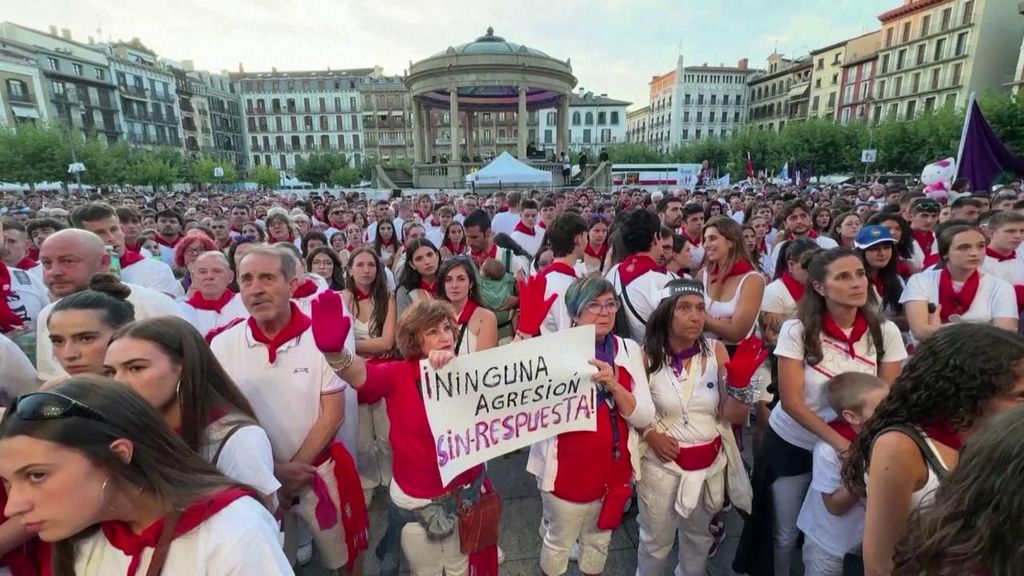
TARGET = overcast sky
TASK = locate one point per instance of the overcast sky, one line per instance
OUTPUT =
(615, 45)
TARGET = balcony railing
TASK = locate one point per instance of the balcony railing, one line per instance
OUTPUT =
(133, 91)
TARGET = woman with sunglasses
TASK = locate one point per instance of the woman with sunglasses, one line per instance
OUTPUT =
(169, 364)
(81, 325)
(93, 469)
(585, 477)
(691, 459)
(458, 285)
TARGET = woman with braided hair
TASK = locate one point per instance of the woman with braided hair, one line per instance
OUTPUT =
(956, 379)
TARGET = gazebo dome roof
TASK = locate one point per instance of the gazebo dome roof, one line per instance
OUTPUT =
(490, 44)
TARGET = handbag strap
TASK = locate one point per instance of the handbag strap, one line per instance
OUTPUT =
(625, 298)
(163, 545)
(224, 441)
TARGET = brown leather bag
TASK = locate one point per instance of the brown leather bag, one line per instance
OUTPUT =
(479, 524)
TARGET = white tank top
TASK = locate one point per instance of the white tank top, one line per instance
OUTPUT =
(926, 493)
(717, 309)
(692, 420)
(468, 344)
(360, 329)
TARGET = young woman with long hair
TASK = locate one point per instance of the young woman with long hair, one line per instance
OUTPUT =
(597, 244)
(691, 459)
(733, 286)
(81, 325)
(957, 379)
(963, 530)
(93, 469)
(458, 285)
(821, 220)
(167, 361)
(836, 330)
(753, 246)
(876, 246)
(454, 241)
(325, 263)
(417, 280)
(904, 236)
(957, 287)
(385, 242)
(844, 231)
(373, 321)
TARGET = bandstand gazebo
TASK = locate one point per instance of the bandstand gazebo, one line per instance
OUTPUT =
(488, 75)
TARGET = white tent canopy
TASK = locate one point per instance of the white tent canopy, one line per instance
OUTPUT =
(507, 170)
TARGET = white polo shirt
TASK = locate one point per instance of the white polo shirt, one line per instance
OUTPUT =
(529, 243)
(148, 304)
(28, 296)
(153, 274)
(1010, 270)
(641, 294)
(558, 315)
(206, 320)
(286, 394)
(995, 297)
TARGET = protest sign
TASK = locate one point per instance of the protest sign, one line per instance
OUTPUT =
(493, 402)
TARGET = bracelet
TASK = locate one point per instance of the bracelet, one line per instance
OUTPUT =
(342, 364)
(748, 394)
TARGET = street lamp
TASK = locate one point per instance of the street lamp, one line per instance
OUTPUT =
(75, 167)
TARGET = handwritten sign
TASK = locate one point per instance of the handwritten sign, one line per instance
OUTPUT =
(490, 403)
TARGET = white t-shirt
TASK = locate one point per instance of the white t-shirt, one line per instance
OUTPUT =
(778, 300)
(153, 274)
(558, 316)
(206, 320)
(504, 223)
(148, 304)
(835, 360)
(28, 296)
(239, 540)
(529, 243)
(995, 297)
(641, 293)
(1010, 270)
(824, 241)
(835, 534)
(19, 376)
(247, 456)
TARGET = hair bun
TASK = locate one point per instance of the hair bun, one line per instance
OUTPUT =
(110, 285)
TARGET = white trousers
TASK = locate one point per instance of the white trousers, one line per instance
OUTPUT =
(787, 498)
(659, 522)
(330, 542)
(433, 558)
(373, 450)
(820, 562)
(567, 522)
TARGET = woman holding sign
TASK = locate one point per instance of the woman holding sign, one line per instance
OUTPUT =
(585, 477)
(691, 461)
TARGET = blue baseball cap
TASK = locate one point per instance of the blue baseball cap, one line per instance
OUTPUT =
(872, 235)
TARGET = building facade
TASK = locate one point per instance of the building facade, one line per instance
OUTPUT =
(387, 119)
(21, 89)
(713, 101)
(225, 113)
(780, 94)
(595, 121)
(149, 97)
(827, 74)
(195, 114)
(288, 115)
(857, 89)
(77, 85)
(935, 53)
(636, 125)
(663, 106)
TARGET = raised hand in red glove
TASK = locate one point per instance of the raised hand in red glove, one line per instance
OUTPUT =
(330, 323)
(750, 354)
(533, 307)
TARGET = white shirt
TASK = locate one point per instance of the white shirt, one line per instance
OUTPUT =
(247, 456)
(824, 241)
(995, 297)
(835, 360)
(148, 304)
(836, 534)
(778, 300)
(166, 253)
(207, 320)
(504, 222)
(641, 294)
(28, 296)
(153, 274)
(19, 374)
(529, 243)
(558, 315)
(918, 257)
(284, 395)
(435, 235)
(1012, 271)
(240, 539)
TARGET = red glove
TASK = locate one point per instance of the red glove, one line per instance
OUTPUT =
(750, 354)
(533, 307)
(330, 324)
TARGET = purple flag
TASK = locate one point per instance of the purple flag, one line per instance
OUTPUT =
(983, 156)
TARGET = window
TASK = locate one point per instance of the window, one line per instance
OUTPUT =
(894, 110)
(831, 100)
(606, 135)
(821, 63)
(305, 101)
(736, 117)
(888, 37)
(920, 54)
(929, 104)
(877, 116)
(101, 74)
(700, 99)
(711, 116)
(863, 91)
(686, 134)
(339, 122)
(881, 89)
(848, 94)
(686, 115)
(968, 12)
(713, 98)
(961, 44)
(615, 119)
(910, 109)
(255, 159)
(957, 71)
(817, 83)
(278, 124)
(901, 59)
(17, 90)
(885, 63)
(915, 83)
(947, 15)
(77, 68)
(602, 118)
(940, 49)
(294, 124)
(575, 118)
(548, 137)
(725, 99)
(951, 100)
(696, 134)
(898, 86)
(352, 104)
(926, 23)
(814, 103)
(686, 99)
(58, 88)
(586, 135)
(906, 32)
(739, 100)
(935, 78)
(845, 118)
(323, 105)
(700, 116)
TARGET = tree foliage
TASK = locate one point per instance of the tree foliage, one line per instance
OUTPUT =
(265, 176)
(318, 168)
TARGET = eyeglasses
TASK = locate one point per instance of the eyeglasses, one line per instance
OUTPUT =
(52, 406)
(597, 308)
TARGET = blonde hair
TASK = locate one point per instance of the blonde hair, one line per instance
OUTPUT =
(846, 391)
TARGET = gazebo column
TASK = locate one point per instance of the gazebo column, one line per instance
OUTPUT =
(417, 131)
(522, 124)
(454, 117)
(563, 125)
(470, 142)
(425, 131)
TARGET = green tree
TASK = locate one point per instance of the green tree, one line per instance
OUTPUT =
(634, 153)
(317, 168)
(1006, 115)
(345, 177)
(34, 154)
(265, 176)
(155, 171)
(204, 168)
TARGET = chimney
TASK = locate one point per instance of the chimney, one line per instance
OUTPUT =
(91, 40)
(65, 33)
(53, 30)
(743, 63)
(273, 69)
(241, 70)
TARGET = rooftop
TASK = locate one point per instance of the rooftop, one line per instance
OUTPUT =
(591, 99)
(490, 44)
(274, 74)
(909, 7)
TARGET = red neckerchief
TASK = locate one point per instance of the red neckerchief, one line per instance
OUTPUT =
(990, 252)
(120, 535)
(8, 319)
(520, 227)
(165, 242)
(26, 263)
(833, 331)
(599, 254)
(199, 302)
(844, 429)
(428, 288)
(136, 247)
(296, 325)
(33, 253)
(693, 241)
(812, 234)
(635, 266)
(879, 284)
(455, 249)
(762, 246)
(931, 260)
(952, 302)
(307, 288)
(236, 230)
(467, 312)
(542, 225)
(794, 286)
(946, 434)
(560, 268)
(924, 239)
(351, 248)
(424, 215)
(388, 243)
(360, 295)
(738, 268)
(479, 257)
(904, 269)
(130, 258)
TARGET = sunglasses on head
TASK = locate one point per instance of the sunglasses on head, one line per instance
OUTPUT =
(51, 406)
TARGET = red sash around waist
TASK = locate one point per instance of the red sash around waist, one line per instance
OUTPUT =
(692, 458)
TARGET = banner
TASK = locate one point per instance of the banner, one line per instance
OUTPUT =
(689, 174)
(490, 403)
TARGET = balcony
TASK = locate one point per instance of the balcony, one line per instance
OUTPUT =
(140, 138)
(21, 98)
(162, 97)
(133, 91)
(137, 115)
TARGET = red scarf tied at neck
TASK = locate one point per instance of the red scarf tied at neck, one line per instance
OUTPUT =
(130, 257)
(924, 239)
(598, 253)
(953, 302)
(199, 302)
(168, 243)
(560, 268)
(793, 286)
(427, 287)
(296, 325)
(844, 429)
(467, 312)
(991, 253)
(479, 257)
(635, 266)
(520, 227)
(833, 331)
(8, 319)
(739, 268)
(120, 535)
(360, 295)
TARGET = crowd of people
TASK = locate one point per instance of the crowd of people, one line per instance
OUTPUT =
(207, 383)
